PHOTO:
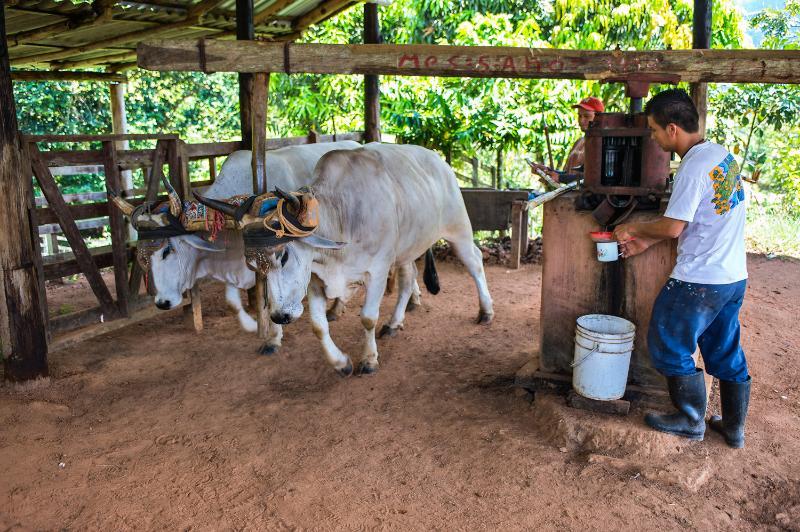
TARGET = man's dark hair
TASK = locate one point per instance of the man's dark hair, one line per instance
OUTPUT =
(673, 106)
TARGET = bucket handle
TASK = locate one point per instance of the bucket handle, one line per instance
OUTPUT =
(587, 355)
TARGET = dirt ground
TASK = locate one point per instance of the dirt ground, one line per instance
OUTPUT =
(153, 427)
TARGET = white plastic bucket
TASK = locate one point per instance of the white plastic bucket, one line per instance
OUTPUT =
(603, 346)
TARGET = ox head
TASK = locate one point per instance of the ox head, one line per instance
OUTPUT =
(279, 244)
(174, 267)
(165, 246)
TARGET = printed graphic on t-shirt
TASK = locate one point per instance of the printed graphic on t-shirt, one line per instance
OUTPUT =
(728, 190)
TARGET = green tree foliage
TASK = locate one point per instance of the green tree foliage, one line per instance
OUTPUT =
(759, 122)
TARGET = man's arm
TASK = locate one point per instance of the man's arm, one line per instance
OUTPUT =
(659, 229)
(637, 237)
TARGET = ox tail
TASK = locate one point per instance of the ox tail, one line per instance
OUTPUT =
(430, 276)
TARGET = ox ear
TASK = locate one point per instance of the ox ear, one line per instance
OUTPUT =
(197, 242)
(321, 242)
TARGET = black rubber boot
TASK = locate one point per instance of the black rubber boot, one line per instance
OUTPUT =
(688, 395)
(734, 397)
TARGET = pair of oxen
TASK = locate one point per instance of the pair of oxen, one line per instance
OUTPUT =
(341, 215)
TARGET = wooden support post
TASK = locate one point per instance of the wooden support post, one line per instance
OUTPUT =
(475, 166)
(258, 113)
(23, 327)
(119, 124)
(500, 168)
(119, 246)
(701, 39)
(151, 184)
(245, 30)
(212, 168)
(518, 213)
(194, 311)
(372, 102)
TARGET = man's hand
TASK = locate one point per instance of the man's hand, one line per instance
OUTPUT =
(636, 246)
(623, 233)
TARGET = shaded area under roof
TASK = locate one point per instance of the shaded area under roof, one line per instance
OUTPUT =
(60, 34)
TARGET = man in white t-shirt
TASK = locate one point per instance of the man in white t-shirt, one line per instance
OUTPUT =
(699, 305)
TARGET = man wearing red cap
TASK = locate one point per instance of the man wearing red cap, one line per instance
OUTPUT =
(586, 111)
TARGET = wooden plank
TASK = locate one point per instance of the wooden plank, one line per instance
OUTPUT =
(46, 215)
(118, 230)
(212, 149)
(75, 170)
(77, 336)
(82, 255)
(82, 318)
(98, 138)
(55, 229)
(718, 66)
(619, 407)
(46, 75)
(23, 337)
(71, 158)
(41, 201)
(519, 210)
(64, 264)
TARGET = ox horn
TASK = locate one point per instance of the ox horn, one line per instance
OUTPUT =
(175, 202)
(237, 213)
(124, 206)
(288, 197)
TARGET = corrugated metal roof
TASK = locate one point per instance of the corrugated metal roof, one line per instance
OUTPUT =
(59, 33)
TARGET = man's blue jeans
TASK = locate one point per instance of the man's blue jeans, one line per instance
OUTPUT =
(687, 315)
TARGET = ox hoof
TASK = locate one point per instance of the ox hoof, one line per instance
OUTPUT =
(347, 370)
(365, 368)
(268, 350)
(485, 318)
(411, 307)
(331, 316)
(388, 331)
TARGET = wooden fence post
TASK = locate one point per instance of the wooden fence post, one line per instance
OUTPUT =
(119, 245)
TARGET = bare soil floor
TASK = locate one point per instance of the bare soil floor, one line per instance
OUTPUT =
(154, 427)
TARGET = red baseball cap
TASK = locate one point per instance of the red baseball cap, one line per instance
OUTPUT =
(591, 104)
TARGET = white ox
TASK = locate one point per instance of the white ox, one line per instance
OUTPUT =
(177, 266)
(389, 204)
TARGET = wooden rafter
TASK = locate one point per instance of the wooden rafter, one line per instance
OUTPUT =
(324, 11)
(719, 66)
(44, 75)
(101, 12)
(193, 16)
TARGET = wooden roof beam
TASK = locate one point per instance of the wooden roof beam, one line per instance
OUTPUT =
(121, 55)
(45, 75)
(717, 66)
(194, 15)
